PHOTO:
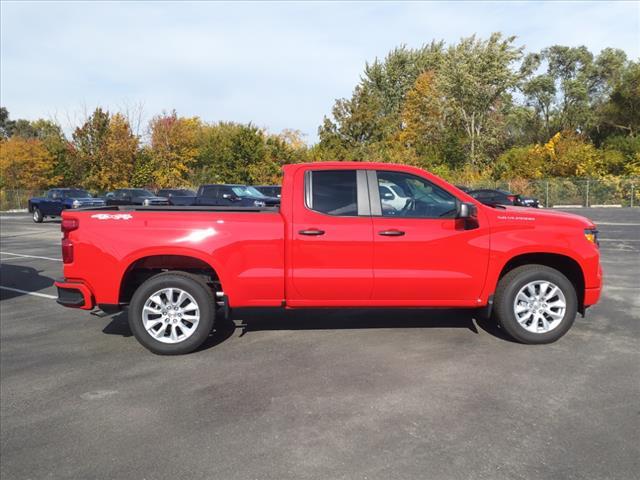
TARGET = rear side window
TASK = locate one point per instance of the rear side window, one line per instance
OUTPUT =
(334, 192)
(210, 192)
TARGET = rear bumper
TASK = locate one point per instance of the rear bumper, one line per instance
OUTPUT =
(74, 295)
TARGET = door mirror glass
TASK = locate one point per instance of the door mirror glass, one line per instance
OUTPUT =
(228, 196)
(466, 210)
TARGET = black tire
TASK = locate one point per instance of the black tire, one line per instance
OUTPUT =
(37, 215)
(194, 286)
(508, 288)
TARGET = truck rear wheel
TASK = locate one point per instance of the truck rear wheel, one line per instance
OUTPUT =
(535, 304)
(37, 215)
(172, 313)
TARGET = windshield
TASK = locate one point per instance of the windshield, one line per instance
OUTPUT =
(139, 192)
(76, 193)
(244, 191)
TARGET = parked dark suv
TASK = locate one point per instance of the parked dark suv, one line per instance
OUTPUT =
(269, 190)
(503, 197)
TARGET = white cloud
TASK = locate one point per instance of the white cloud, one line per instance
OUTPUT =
(279, 65)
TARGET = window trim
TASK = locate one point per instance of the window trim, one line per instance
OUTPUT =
(376, 204)
(362, 192)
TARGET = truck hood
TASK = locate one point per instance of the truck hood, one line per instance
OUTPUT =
(86, 199)
(520, 214)
(267, 200)
(152, 199)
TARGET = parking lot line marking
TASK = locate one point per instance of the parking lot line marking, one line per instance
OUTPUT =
(619, 224)
(31, 256)
(35, 294)
(621, 240)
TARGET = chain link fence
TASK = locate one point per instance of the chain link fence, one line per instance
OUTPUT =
(17, 199)
(578, 192)
(552, 192)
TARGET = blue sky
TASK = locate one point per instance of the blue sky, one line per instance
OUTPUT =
(278, 65)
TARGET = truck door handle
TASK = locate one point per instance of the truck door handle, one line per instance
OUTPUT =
(391, 233)
(312, 232)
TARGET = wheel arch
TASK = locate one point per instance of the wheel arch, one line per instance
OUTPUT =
(144, 267)
(565, 264)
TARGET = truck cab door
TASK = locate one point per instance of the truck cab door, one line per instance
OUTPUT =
(207, 195)
(423, 254)
(331, 240)
(50, 204)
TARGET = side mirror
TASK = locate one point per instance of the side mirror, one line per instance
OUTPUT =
(466, 210)
(229, 196)
(387, 196)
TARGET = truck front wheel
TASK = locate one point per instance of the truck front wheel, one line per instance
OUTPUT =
(37, 215)
(172, 313)
(535, 304)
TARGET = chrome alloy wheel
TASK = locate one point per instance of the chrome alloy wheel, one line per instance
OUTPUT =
(170, 315)
(539, 306)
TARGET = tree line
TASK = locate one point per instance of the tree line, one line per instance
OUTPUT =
(477, 109)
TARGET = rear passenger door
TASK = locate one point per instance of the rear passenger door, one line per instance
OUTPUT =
(331, 240)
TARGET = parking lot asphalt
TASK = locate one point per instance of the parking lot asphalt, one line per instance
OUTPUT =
(326, 394)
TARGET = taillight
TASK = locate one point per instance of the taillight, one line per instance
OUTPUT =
(68, 225)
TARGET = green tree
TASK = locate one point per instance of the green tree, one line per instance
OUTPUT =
(174, 148)
(475, 77)
(90, 149)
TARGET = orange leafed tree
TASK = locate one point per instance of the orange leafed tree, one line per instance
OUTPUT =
(26, 164)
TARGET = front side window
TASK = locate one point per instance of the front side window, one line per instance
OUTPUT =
(334, 192)
(414, 197)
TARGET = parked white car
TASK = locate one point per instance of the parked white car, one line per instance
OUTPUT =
(392, 196)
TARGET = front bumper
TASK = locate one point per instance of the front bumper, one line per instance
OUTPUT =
(591, 296)
(74, 294)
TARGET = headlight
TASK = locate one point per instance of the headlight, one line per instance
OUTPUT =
(591, 234)
(146, 202)
(258, 203)
(76, 204)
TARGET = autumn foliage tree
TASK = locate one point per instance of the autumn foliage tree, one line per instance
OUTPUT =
(173, 149)
(26, 164)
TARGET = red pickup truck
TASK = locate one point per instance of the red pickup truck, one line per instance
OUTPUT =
(345, 235)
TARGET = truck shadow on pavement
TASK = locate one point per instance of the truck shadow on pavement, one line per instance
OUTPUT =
(264, 319)
(252, 320)
(23, 278)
